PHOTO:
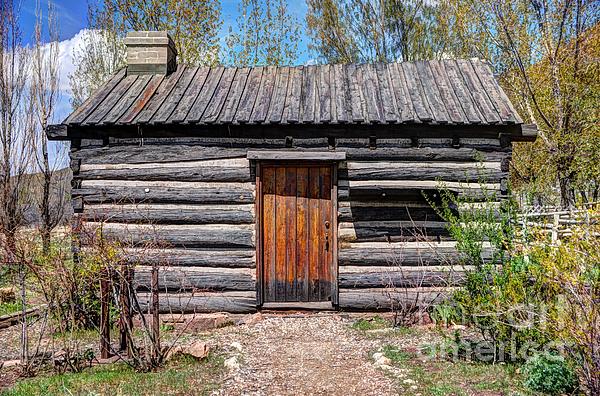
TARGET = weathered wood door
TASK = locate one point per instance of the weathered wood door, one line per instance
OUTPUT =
(297, 233)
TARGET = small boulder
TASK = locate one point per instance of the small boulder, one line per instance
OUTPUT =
(236, 345)
(198, 349)
(232, 363)
(7, 295)
(381, 360)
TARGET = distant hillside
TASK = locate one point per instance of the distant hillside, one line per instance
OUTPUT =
(60, 193)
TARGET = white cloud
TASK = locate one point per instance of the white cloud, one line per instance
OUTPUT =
(66, 49)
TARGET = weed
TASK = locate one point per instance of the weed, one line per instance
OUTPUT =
(395, 354)
(180, 376)
(374, 323)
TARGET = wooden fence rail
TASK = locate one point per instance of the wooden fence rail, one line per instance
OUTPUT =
(558, 223)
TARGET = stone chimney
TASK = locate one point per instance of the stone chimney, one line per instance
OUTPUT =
(150, 52)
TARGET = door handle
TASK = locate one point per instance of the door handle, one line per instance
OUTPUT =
(327, 236)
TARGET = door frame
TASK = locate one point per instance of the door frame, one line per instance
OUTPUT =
(258, 213)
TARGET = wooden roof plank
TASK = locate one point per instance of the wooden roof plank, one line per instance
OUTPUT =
(263, 98)
(342, 94)
(212, 111)
(462, 92)
(279, 95)
(388, 101)
(431, 92)
(291, 109)
(235, 94)
(495, 92)
(187, 101)
(457, 92)
(371, 92)
(413, 83)
(162, 92)
(400, 89)
(203, 101)
(126, 100)
(307, 102)
(249, 95)
(95, 99)
(447, 95)
(481, 99)
(171, 102)
(356, 102)
(324, 89)
(142, 100)
(111, 100)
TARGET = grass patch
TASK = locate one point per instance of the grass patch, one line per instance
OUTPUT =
(464, 378)
(374, 323)
(433, 377)
(9, 308)
(395, 354)
(179, 377)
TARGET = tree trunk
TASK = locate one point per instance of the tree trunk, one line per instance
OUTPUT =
(567, 197)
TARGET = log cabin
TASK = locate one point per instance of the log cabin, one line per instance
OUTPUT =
(286, 186)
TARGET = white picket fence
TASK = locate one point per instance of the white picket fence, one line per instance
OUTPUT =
(557, 223)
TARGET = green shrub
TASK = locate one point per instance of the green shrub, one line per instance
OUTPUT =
(550, 374)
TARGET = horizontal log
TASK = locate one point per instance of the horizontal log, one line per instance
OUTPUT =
(385, 299)
(239, 258)
(390, 231)
(350, 211)
(105, 191)
(135, 154)
(462, 154)
(189, 278)
(489, 172)
(190, 149)
(399, 276)
(201, 302)
(403, 253)
(171, 214)
(207, 235)
(394, 190)
(207, 141)
(227, 170)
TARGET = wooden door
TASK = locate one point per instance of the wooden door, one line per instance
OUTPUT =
(297, 233)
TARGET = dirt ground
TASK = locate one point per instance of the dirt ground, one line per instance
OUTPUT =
(302, 355)
(325, 353)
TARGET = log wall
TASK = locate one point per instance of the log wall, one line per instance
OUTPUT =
(188, 204)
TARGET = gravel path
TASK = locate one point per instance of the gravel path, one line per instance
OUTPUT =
(301, 355)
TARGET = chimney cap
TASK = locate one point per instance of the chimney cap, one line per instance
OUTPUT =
(150, 52)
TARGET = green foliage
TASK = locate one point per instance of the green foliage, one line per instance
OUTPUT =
(181, 376)
(366, 31)
(498, 297)
(550, 374)
(395, 354)
(545, 54)
(569, 276)
(267, 35)
(374, 323)
(9, 308)
(444, 314)
(542, 294)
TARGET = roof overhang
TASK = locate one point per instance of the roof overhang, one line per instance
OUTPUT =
(514, 132)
